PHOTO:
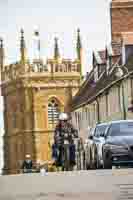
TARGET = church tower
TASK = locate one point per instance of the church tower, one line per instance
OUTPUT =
(34, 95)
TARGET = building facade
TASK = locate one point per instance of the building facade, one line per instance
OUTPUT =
(107, 93)
(34, 95)
(104, 97)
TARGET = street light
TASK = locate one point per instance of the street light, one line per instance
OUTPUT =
(119, 73)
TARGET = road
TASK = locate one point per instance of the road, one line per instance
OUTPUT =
(77, 185)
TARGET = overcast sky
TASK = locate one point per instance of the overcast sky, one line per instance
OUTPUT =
(55, 18)
(58, 18)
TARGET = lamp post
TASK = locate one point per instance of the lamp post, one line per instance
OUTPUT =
(98, 113)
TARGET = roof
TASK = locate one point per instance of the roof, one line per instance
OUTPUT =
(113, 50)
(92, 89)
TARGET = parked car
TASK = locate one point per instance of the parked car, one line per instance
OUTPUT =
(87, 149)
(93, 147)
(96, 146)
(118, 146)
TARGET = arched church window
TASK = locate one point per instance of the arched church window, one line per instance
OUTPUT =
(53, 111)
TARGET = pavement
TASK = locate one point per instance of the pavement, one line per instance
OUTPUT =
(113, 184)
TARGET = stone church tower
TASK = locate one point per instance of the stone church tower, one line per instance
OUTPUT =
(121, 19)
(34, 94)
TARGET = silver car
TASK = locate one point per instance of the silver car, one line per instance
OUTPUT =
(87, 149)
(98, 141)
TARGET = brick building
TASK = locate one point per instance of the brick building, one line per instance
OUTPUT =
(121, 12)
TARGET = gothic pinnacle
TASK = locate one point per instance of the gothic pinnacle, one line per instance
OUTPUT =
(56, 49)
(79, 45)
(22, 47)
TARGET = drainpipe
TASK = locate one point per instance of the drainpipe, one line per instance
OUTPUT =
(123, 102)
(98, 114)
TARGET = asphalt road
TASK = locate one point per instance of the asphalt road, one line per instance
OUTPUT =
(113, 184)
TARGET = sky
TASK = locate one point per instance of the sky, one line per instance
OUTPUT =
(58, 18)
(55, 18)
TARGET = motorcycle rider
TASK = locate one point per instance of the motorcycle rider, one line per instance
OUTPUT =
(64, 132)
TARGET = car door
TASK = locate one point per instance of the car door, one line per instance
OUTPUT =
(88, 146)
(96, 141)
(99, 140)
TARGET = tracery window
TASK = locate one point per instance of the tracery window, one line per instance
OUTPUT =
(53, 112)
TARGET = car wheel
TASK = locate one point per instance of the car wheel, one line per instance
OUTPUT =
(107, 163)
(87, 166)
(95, 159)
(97, 162)
(91, 161)
(87, 161)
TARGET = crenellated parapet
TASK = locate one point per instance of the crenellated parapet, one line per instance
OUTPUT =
(63, 65)
(17, 70)
(56, 66)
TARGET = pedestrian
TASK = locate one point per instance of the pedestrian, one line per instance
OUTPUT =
(27, 164)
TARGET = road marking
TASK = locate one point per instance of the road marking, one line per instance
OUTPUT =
(125, 191)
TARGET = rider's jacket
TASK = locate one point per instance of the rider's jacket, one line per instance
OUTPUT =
(66, 132)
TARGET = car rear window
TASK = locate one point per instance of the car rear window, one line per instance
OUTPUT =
(121, 129)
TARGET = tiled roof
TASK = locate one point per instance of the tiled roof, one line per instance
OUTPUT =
(90, 93)
(91, 89)
(113, 50)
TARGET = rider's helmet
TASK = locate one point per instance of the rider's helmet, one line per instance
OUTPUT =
(63, 117)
